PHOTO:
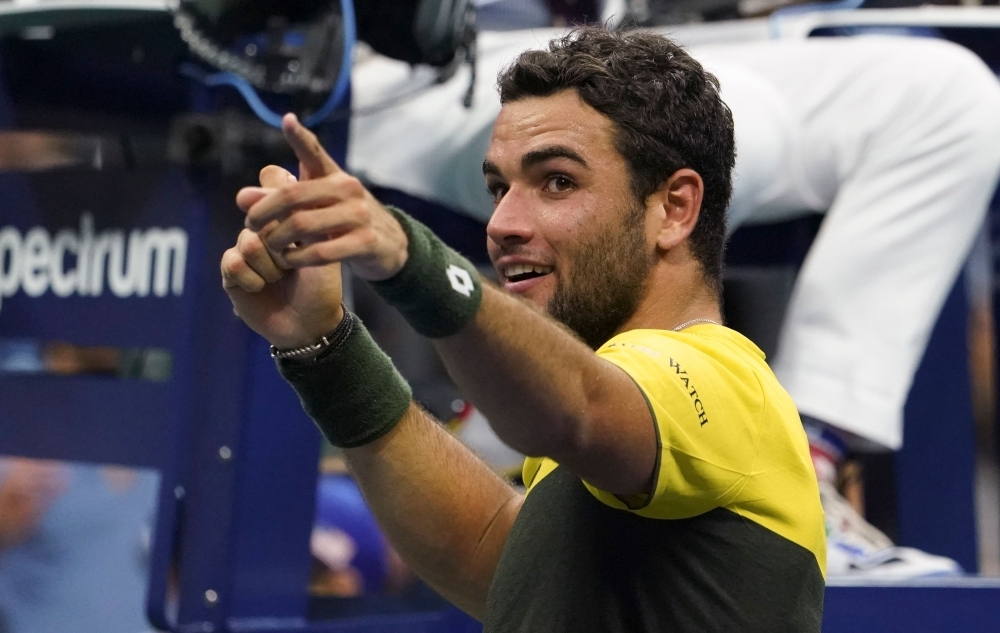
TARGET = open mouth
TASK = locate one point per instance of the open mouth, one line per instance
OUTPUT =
(524, 272)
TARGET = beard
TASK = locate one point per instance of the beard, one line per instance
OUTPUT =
(607, 281)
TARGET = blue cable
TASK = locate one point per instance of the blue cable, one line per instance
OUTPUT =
(799, 9)
(344, 77)
(242, 86)
(260, 108)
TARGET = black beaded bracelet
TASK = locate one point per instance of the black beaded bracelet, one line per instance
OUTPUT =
(342, 331)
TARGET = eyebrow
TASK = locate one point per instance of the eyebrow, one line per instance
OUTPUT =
(491, 168)
(537, 156)
(548, 153)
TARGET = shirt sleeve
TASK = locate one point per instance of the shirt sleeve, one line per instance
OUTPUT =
(707, 415)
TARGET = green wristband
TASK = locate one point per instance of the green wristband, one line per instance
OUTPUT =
(352, 391)
(438, 291)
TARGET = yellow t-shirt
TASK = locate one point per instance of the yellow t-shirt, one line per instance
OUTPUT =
(729, 435)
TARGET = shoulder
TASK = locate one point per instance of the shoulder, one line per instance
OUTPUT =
(707, 340)
(709, 356)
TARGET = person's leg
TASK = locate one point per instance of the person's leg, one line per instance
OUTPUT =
(899, 138)
(900, 141)
(913, 193)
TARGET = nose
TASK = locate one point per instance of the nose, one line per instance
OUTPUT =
(511, 223)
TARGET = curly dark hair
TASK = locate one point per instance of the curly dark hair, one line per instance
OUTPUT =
(665, 107)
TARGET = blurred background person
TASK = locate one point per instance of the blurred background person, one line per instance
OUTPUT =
(75, 540)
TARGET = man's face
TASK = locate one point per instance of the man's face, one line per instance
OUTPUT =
(567, 233)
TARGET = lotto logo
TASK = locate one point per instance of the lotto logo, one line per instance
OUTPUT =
(460, 280)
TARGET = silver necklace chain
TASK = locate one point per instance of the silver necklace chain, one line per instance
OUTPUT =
(694, 321)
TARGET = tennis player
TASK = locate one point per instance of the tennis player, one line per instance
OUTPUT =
(669, 485)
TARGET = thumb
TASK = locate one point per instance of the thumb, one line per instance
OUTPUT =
(271, 177)
(274, 177)
(314, 162)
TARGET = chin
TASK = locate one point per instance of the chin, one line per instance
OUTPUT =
(538, 298)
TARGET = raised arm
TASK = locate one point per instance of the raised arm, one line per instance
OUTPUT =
(443, 509)
(544, 391)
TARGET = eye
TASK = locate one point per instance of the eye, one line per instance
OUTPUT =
(496, 192)
(558, 184)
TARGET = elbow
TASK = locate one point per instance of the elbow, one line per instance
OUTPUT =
(563, 437)
(574, 433)
(561, 424)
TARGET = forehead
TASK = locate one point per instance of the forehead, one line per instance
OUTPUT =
(561, 119)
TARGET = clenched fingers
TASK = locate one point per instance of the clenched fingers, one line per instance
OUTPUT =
(237, 274)
(358, 243)
(248, 266)
(277, 204)
(307, 227)
(257, 256)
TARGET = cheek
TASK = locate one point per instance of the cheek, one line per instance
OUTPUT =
(570, 233)
(565, 227)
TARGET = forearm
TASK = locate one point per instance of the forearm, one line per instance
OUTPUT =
(443, 509)
(539, 386)
(534, 380)
(543, 390)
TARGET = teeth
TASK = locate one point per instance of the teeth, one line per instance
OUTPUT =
(520, 269)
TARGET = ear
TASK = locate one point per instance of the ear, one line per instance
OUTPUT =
(678, 205)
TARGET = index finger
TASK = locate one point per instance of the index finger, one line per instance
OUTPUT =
(313, 159)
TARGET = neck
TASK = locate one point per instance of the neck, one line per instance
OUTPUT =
(675, 294)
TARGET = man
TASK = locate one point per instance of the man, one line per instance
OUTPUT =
(896, 140)
(670, 486)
